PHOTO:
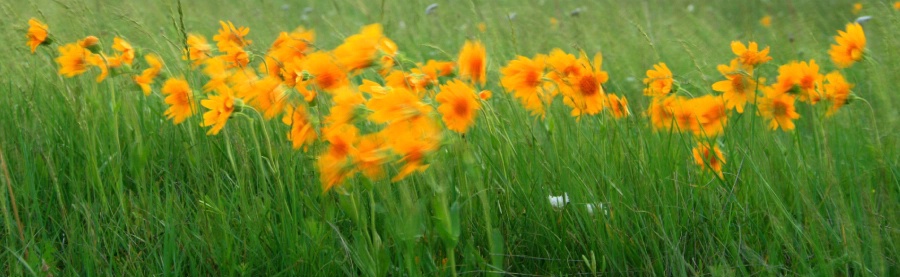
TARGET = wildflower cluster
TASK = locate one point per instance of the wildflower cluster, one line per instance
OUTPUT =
(358, 124)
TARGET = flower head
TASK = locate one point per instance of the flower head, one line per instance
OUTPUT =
(126, 52)
(850, 46)
(362, 50)
(750, 55)
(837, 90)
(302, 132)
(230, 37)
(524, 78)
(179, 97)
(738, 88)
(220, 107)
(659, 81)
(325, 71)
(37, 33)
(766, 21)
(618, 106)
(73, 59)
(709, 158)
(473, 62)
(459, 106)
(779, 108)
(198, 50)
(146, 78)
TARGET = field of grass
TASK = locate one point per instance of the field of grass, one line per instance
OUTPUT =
(96, 181)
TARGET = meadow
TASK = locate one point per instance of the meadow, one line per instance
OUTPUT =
(387, 164)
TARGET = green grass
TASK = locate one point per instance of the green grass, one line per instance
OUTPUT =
(97, 182)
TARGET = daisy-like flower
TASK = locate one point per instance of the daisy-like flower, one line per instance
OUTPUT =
(738, 88)
(710, 112)
(146, 78)
(302, 133)
(372, 153)
(395, 104)
(802, 78)
(659, 81)
(709, 158)
(413, 141)
(269, 96)
(220, 107)
(126, 52)
(198, 50)
(459, 106)
(179, 97)
(837, 90)
(73, 59)
(618, 106)
(524, 78)
(779, 108)
(37, 34)
(850, 46)
(473, 62)
(229, 36)
(325, 71)
(750, 55)
(662, 113)
(362, 50)
(584, 90)
(336, 164)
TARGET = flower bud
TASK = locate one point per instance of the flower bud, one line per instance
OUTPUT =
(91, 43)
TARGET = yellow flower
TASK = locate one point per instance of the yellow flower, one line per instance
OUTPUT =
(198, 50)
(180, 99)
(412, 140)
(897, 6)
(126, 52)
(779, 108)
(73, 60)
(485, 95)
(394, 105)
(583, 90)
(220, 107)
(459, 106)
(230, 37)
(710, 112)
(372, 153)
(737, 88)
(850, 46)
(336, 164)
(473, 62)
(146, 78)
(750, 55)
(554, 23)
(857, 7)
(302, 132)
(659, 81)
(268, 95)
(618, 106)
(524, 78)
(800, 77)
(100, 61)
(482, 27)
(89, 42)
(662, 112)
(325, 71)
(236, 57)
(766, 21)
(709, 158)
(362, 50)
(837, 90)
(37, 34)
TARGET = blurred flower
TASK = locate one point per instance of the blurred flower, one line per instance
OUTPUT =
(472, 62)
(618, 106)
(800, 78)
(482, 27)
(459, 106)
(709, 158)
(559, 201)
(583, 88)
(325, 71)
(302, 132)
(659, 81)
(766, 21)
(180, 100)
(72, 59)
(126, 52)
(737, 88)
(524, 78)
(750, 55)
(779, 108)
(837, 90)
(146, 77)
(220, 107)
(850, 46)
(230, 37)
(37, 34)
(857, 7)
(198, 50)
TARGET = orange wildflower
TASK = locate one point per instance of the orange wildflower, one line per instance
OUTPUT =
(850, 46)
(302, 132)
(459, 106)
(325, 71)
(220, 109)
(659, 81)
(230, 37)
(750, 55)
(779, 108)
(737, 88)
(473, 62)
(618, 106)
(180, 100)
(37, 34)
(524, 78)
(709, 158)
(837, 90)
(146, 78)
(198, 50)
(73, 60)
